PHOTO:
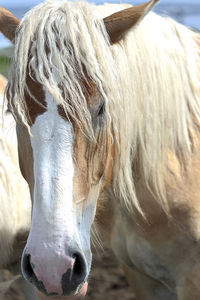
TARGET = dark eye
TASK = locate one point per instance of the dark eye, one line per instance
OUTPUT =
(98, 115)
(101, 110)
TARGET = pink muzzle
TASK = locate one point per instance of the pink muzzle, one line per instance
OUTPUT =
(55, 270)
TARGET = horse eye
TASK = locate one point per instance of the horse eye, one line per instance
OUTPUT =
(101, 110)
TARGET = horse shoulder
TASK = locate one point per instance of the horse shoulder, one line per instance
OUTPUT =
(148, 244)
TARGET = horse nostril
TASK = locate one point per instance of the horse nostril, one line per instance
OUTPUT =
(76, 275)
(79, 271)
(27, 268)
(29, 275)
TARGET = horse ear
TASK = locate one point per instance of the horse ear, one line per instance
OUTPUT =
(8, 24)
(120, 22)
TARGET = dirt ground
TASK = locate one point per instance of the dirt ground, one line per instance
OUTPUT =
(106, 281)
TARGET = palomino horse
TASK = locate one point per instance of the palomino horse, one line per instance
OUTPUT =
(15, 204)
(107, 105)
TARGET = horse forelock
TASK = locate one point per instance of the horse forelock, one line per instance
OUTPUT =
(149, 83)
(55, 46)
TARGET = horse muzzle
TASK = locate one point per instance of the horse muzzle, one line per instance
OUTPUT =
(56, 273)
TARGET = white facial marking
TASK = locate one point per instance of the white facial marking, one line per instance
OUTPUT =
(58, 225)
(53, 219)
(52, 144)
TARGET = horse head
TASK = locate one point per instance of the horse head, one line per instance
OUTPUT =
(65, 141)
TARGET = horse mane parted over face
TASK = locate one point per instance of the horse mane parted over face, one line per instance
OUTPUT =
(149, 82)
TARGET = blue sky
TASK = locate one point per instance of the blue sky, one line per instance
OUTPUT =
(14, 3)
(18, 3)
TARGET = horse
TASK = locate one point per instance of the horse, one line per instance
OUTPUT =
(107, 110)
(14, 218)
(15, 203)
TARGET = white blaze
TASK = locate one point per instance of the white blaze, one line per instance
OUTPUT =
(52, 144)
(58, 225)
(53, 219)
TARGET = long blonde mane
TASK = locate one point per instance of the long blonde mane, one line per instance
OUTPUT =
(149, 82)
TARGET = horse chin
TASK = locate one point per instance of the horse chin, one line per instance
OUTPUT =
(80, 295)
